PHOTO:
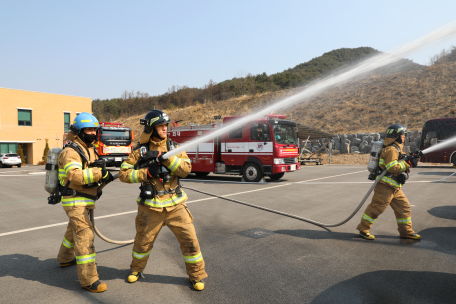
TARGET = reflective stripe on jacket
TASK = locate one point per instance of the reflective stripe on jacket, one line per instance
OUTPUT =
(71, 169)
(179, 166)
(389, 159)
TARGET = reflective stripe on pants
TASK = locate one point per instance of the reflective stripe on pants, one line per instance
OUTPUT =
(179, 220)
(385, 196)
(80, 233)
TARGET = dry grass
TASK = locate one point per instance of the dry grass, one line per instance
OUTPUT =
(368, 105)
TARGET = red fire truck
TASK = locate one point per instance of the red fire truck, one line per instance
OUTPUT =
(266, 146)
(436, 131)
(115, 143)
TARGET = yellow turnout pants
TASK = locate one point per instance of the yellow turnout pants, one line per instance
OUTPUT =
(78, 241)
(383, 196)
(179, 220)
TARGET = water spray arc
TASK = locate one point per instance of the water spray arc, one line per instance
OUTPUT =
(359, 70)
(444, 144)
(366, 66)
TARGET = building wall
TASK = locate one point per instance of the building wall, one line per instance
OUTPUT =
(47, 119)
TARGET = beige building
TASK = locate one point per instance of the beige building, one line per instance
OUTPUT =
(29, 118)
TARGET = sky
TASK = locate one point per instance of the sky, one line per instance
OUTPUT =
(99, 49)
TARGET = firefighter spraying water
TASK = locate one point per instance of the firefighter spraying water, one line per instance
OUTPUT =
(77, 198)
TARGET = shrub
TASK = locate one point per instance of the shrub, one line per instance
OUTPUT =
(20, 153)
(45, 152)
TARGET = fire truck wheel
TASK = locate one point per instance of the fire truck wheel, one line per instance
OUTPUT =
(202, 174)
(276, 176)
(252, 173)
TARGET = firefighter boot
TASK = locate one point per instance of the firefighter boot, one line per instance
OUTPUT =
(63, 265)
(413, 236)
(197, 284)
(366, 235)
(96, 287)
(134, 276)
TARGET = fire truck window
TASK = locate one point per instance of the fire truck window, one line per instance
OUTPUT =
(115, 135)
(285, 134)
(259, 132)
(236, 133)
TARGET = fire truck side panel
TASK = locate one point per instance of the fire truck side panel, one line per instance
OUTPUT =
(254, 142)
(202, 156)
(234, 149)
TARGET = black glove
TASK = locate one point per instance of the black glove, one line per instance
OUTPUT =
(412, 161)
(107, 177)
(152, 155)
(401, 178)
(154, 170)
(161, 158)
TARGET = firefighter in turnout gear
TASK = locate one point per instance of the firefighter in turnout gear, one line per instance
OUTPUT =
(79, 188)
(389, 190)
(162, 201)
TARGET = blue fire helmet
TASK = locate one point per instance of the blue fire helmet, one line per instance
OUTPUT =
(84, 120)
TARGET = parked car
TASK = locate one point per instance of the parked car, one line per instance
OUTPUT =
(7, 160)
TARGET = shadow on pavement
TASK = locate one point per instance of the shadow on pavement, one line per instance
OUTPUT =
(390, 286)
(49, 272)
(440, 239)
(446, 212)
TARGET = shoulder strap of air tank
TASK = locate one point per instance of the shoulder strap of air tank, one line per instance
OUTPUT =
(399, 151)
(139, 145)
(170, 143)
(78, 149)
(96, 153)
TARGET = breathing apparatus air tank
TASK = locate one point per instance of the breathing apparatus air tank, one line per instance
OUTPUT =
(52, 171)
(373, 166)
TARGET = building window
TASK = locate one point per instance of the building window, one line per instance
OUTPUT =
(24, 117)
(66, 122)
(8, 148)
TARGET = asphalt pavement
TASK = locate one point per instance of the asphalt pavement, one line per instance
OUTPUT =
(252, 256)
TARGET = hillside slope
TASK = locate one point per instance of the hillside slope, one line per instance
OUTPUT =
(131, 103)
(368, 105)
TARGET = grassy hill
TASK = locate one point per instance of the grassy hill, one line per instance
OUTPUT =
(368, 104)
(130, 104)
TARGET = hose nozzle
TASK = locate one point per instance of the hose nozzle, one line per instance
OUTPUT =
(417, 153)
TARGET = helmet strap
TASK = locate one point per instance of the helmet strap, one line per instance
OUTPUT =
(155, 134)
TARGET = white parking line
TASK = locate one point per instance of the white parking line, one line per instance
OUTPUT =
(189, 202)
(18, 171)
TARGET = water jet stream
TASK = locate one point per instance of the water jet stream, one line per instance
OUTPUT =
(366, 66)
(441, 145)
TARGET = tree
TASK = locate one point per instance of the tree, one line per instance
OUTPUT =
(20, 153)
(46, 150)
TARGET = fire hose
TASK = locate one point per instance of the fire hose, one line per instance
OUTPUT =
(92, 218)
(295, 216)
(258, 207)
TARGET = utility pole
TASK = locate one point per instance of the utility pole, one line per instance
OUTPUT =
(405, 142)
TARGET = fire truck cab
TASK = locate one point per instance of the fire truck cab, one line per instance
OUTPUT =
(115, 143)
(262, 147)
